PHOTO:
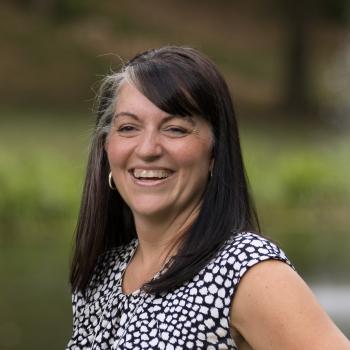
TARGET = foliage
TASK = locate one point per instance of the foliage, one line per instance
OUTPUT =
(68, 42)
(300, 184)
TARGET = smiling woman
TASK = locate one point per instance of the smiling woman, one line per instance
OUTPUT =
(167, 229)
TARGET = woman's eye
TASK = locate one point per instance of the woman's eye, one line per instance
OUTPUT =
(176, 131)
(127, 130)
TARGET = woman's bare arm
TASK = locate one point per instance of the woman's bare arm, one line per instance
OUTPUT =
(273, 308)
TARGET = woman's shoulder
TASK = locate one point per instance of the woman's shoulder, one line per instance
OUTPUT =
(110, 262)
(120, 253)
(250, 246)
(114, 255)
(108, 267)
(244, 250)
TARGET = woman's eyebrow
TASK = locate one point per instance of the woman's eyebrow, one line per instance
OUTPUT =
(127, 114)
(171, 117)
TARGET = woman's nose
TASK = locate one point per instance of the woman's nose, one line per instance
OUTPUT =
(149, 145)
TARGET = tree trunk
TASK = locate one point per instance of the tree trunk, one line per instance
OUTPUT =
(297, 98)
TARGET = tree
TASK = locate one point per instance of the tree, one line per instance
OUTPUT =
(299, 16)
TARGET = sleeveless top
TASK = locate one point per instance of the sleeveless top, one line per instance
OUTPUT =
(195, 315)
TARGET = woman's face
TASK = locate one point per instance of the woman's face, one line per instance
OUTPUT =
(160, 163)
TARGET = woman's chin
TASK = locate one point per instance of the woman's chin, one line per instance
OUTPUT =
(150, 211)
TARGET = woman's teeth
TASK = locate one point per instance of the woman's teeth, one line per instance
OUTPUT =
(142, 173)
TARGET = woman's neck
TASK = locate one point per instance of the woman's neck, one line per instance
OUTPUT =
(158, 242)
(158, 238)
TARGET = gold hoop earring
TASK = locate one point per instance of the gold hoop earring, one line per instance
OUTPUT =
(110, 182)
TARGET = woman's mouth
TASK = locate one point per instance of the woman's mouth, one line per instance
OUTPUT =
(150, 175)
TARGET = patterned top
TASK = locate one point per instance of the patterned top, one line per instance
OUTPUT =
(195, 315)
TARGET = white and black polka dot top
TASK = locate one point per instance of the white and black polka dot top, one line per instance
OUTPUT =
(196, 315)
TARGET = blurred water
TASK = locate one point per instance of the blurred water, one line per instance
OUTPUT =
(336, 301)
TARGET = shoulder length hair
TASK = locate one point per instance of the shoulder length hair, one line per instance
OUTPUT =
(180, 81)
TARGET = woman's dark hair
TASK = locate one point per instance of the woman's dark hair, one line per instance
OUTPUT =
(180, 81)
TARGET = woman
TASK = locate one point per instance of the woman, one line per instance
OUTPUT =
(165, 232)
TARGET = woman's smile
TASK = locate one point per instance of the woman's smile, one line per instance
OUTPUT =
(150, 177)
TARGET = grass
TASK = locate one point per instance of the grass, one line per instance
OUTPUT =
(300, 180)
(37, 311)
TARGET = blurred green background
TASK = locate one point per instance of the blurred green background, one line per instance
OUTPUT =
(288, 66)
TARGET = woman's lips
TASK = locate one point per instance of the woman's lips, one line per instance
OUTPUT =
(150, 177)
